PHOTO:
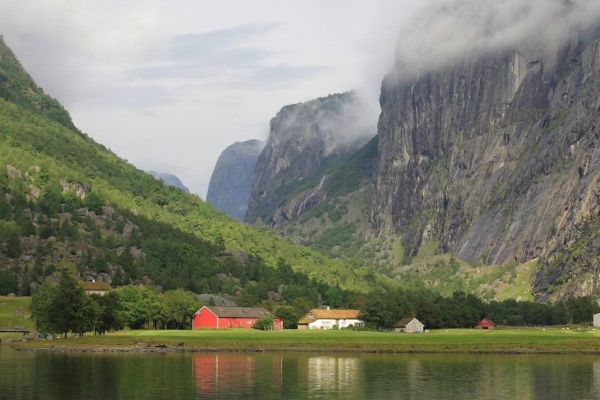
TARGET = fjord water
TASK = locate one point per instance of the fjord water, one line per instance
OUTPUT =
(44, 375)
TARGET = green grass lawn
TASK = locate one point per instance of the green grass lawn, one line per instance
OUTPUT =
(524, 340)
(8, 306)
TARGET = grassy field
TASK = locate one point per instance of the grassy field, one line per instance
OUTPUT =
(524, 340)
(8, 306)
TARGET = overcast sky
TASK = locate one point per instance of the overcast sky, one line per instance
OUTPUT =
(168, 84)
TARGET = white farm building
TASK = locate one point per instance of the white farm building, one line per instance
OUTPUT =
(328, 319)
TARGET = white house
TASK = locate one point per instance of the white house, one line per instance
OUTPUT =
(328, 319)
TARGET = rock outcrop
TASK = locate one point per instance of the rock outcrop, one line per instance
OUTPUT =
(80, 189)
(495, 158)
(231, 180)
(304, 138)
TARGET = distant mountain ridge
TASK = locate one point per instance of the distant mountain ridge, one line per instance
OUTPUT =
(170, 179)
(231, 181)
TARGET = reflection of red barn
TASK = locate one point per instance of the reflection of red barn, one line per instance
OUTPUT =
(231, 317)
(232, 373)
(213, 373)
(486, 324)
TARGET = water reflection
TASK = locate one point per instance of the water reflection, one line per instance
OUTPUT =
(220, 375)
(327, 374)
(295, 375)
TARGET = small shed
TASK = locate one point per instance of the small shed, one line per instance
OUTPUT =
(597, 319)
(231, 317)
(409, 325)
(486, 324)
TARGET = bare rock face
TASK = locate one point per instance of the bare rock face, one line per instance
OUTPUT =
(34, 192)
(495, 157)
(231, 181)
(80, 189)
(13, 172)
(303, 138)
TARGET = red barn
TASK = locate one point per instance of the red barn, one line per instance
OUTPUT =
(231, 317)
(486, 324)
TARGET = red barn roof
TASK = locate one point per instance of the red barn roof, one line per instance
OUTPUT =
(486, 323)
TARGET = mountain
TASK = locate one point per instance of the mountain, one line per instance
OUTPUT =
(483, 175)
(303, 139)
(494, 159)
(231, 180)
(69, 203)
(170, 179)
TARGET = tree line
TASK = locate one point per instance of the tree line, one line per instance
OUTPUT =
(461, 310)
(64, 308)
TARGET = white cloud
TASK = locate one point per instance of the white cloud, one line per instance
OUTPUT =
(168, 84)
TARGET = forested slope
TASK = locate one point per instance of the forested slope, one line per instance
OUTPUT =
(69, 201)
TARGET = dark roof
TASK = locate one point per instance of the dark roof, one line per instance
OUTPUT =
(405, 321)
(239, 312)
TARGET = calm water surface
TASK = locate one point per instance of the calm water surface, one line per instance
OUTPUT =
(25, 375)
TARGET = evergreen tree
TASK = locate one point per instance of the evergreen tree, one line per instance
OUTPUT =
(66, 308)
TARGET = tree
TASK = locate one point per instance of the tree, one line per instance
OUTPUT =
(288, 315)
(140, 306)
(333, 297)
(264, 324)
(5, 209)
(110, 318)
(178, 307)
(90, 315)
(8, 283)
(51, 200)
(66, 310)
(10, 238)
(94, 202)
(40, 306)
(581, 309)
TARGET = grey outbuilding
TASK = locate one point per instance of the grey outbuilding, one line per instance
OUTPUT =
(409, 325)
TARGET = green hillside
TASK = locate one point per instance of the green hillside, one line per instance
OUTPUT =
(70, 202)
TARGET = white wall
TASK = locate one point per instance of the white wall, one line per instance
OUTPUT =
(330, 323)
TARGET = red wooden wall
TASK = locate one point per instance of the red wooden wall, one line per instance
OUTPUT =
(204, 319)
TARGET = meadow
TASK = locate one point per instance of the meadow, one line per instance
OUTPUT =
(8, 319)
(509, 340)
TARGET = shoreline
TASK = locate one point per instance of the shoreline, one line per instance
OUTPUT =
(163, 349)
(459, 341)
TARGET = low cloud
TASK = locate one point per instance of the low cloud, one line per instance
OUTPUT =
(444, 31)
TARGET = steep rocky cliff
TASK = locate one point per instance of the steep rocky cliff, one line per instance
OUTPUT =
(231, 180)
(170, 179)
(305, 140)
(494, 158)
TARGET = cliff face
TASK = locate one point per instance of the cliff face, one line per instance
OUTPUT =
(170, 179)
(495, 158)
(304, 139)
(231, 181)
